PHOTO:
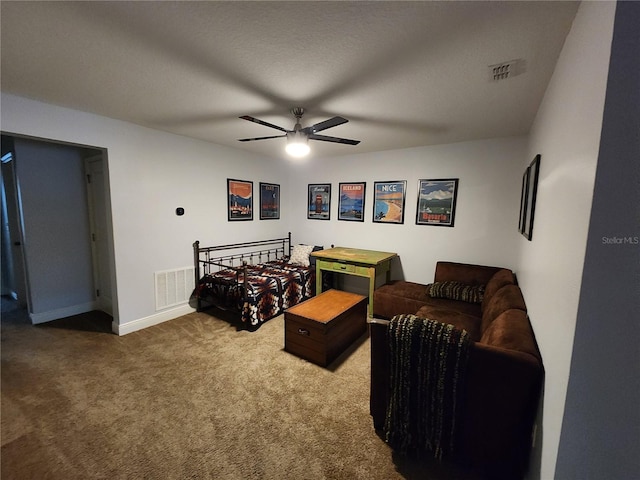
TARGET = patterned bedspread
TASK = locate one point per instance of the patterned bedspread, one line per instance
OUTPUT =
(272, 288)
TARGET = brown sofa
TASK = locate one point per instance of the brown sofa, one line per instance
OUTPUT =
(504, 371)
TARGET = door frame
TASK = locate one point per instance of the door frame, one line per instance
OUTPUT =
(20, 280)
(110, 249)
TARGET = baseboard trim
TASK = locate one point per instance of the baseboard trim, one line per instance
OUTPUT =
(59, 313)
(150, 321)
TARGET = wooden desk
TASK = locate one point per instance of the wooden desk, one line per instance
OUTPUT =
(352, 261)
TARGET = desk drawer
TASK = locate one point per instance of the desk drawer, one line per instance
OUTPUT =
(336, 266)
(344, 267)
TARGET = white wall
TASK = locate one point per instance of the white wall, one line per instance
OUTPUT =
(486, 217)
(150, 174)
(566, 133)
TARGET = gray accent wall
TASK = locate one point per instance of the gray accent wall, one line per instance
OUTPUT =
(600, 435)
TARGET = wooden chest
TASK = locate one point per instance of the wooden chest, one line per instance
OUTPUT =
(321, 328)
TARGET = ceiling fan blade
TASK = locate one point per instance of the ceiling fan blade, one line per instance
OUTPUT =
(325, 138)
(259, 138)
(318, 127)
(262, 122)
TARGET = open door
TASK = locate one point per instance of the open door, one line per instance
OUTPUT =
(96, 194)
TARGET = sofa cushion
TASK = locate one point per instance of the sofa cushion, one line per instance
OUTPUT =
(506, 298)
(398, 297)
(464, 273)
(456, 291)
(462, 321)
(511, 330)
(472, 309)
(501, 278)
(402, 288)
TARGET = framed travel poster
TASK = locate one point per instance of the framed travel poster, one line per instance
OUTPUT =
(388, 201)
(319, 201)
(269, 201)
(351, 201)
(239, 199)
(437, 202)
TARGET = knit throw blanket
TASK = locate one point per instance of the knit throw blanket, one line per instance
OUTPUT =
(427, 367)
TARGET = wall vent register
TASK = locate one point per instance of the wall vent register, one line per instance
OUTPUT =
(173, 287)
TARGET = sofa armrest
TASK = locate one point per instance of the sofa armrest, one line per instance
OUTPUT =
(465, 273)
(502, 391)
(503, 388)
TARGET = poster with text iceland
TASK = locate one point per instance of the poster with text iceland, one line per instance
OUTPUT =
(351, 201)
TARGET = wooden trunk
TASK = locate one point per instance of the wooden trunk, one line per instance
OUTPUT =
(321, 328)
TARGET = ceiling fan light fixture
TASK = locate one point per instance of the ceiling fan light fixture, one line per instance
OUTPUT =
(297, 144)
(298, 138)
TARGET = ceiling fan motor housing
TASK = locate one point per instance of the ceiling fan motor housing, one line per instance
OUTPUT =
(297, 112)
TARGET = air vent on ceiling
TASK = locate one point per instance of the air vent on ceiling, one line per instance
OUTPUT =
(506, 70)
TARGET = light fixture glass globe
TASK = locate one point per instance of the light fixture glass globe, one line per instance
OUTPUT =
(297, 144)
(297, 149)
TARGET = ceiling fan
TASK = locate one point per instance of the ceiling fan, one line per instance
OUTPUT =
(297, 139)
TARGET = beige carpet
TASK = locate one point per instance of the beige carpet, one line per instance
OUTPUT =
(192, 398)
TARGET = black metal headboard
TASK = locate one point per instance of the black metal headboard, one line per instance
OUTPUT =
(205, 259)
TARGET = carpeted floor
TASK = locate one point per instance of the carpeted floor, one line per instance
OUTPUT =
(190, 398)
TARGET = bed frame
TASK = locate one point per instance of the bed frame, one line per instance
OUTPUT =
(237, 256)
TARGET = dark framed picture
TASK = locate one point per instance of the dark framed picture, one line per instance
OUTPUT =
(532, 174)
(269, 201)
(351, 201)
(239, 199)
(388, 201)
(523, 200)
(437, 202)
(319, 201)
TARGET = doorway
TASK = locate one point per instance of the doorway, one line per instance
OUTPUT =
(58, 250)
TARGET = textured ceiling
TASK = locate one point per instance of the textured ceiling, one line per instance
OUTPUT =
(405, 74)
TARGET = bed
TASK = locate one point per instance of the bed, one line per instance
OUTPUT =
(257, 280)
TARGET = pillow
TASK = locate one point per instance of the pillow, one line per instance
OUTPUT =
(456, 291)
(300, 255)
